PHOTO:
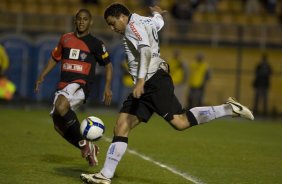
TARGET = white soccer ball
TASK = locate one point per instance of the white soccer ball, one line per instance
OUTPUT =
(92, 128)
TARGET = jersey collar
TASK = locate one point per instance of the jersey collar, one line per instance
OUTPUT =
(129, 17)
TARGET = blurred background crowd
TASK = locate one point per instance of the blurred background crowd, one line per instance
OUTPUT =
(230, 37)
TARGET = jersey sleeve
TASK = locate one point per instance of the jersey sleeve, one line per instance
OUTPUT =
(158, 20)
(57, 51)
(102, 54)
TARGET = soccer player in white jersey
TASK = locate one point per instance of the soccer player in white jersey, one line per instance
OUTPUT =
(153, 90)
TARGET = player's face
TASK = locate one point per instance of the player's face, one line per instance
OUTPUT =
(82, 22)
(117, 24)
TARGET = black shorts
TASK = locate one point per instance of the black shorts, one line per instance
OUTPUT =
(158, 97)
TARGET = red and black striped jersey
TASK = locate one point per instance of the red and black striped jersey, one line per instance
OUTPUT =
(78, 57)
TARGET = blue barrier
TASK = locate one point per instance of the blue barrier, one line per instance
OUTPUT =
(18, 48)
(42, 53)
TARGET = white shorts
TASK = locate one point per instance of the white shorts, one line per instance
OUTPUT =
(74, 93)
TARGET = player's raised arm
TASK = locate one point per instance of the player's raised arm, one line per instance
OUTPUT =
(158, 16)
(157, 9)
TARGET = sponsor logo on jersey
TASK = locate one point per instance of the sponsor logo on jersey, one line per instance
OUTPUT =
(134, 30)
(72, 67)
(83, 56)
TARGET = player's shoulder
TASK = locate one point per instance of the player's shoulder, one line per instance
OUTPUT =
(138, 19)
(135, 20)
(94, 39)
(94, 42)
(67, 35)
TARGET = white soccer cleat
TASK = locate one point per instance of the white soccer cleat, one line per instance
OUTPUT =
(95, 178)
(240, 110)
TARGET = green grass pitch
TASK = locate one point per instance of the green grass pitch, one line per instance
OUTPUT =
(226, 151)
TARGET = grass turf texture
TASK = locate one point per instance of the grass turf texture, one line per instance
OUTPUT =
(224, 151)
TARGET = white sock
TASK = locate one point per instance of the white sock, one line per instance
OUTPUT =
(114, 155)
(206, 114)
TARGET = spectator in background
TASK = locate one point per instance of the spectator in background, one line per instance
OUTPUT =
(270, 6)
(4, 60)
(7, 87)
(178, 72)
(261, 84)
(183, 10)
(199, 74)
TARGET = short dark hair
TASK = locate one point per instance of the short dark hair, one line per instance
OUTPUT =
(83, 10)
(115, 10)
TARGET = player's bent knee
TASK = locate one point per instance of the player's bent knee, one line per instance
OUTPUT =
(179, 123)
(61, 108)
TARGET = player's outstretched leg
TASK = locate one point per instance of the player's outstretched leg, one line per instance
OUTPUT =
(89, 151)
(95, 178)
(200, 115)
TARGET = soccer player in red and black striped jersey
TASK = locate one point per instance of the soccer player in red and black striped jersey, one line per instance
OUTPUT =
(78, 53)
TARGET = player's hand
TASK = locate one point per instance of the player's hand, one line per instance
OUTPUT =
(107, 98)
(139, 88)
(38, 83)
(157, 9)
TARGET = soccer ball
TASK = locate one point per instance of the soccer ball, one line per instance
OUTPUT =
(92, 128)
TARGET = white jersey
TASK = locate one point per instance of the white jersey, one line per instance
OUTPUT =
(143, 31)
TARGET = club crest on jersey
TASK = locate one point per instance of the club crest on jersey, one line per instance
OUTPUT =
(74, 54)
(83, 56)
(134, 30)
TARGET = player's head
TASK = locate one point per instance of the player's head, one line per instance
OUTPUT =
(200, 56)
(83, 21)
(116, 16)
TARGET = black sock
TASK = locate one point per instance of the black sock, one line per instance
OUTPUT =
(120, 139)
(59, 123)
(191, 118)
(72, 132)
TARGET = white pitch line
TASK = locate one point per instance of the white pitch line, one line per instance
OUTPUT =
(171, 169)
